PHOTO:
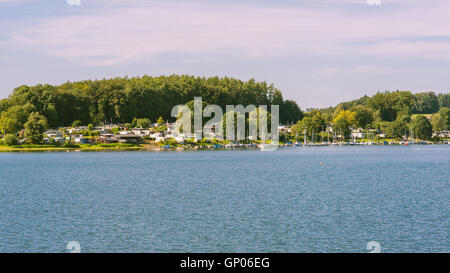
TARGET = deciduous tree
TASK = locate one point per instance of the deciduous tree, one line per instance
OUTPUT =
(35, 127)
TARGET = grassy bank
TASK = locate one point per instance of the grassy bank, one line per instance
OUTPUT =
(128, 147)
(70, 147)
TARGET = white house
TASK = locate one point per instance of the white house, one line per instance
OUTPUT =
(141, 132)
(52, 134)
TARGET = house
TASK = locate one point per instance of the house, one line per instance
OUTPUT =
(284, 129)
(74, 130)
(106, 138)
(180, 139)
(160, 139)
(82, 140)
(442, 134)
(101, 131)
(141, 132)
(156, 135)
(360, 133)
(53, 134)
(127, 138)
(60, 139)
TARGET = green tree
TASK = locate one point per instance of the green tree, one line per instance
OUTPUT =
(90, 127)
(422, 127)
(77, 123)
(343, 121)
(290, 112)
(13, 119)
(363, 116)
(383, 104)
(35, 127)
(342, 126)
(437, 122)
(445, 114)
(94, 133)
(317, 122)
(160, 121)
(134, 123)
(305, 125)
(402, 102)
(115, 130)
(8, 125)
(441, 120)
(444, 100)
(396, 129)
(143, 123)
(4, 105)
(426, 103)
(10, 140)
(313, 123)
(161, 128)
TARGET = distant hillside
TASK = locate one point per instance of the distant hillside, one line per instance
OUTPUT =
(390, 105)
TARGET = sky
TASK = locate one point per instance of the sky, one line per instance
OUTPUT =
(317, 52)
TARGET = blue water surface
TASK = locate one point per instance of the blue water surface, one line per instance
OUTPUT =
(228, 201)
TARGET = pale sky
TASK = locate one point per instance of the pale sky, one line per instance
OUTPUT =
(317, 52)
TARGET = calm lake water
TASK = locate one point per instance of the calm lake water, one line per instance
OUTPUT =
(228, 201)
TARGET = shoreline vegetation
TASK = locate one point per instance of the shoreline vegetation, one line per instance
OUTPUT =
(216, 147)
(128, 114)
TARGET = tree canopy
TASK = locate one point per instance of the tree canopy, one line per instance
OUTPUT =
(35, 127)
(119, 100)
(422, 127)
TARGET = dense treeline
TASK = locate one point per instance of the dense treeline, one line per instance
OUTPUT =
(388, 106)
(398, 114)
(119, 100)
(125, 100)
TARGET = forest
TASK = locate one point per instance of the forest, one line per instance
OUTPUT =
(398, 114)
(120, 100)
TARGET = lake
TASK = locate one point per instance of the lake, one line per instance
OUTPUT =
(228, 201)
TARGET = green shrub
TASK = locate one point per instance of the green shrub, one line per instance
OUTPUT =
(29, 146)
(77, 123)
(105, 145)
(171, 142)
(70, 145)
(10, 140)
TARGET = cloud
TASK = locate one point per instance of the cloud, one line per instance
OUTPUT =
(73, 2)
(374, 2)
(122, 32)
(355, 70)
(424, 49)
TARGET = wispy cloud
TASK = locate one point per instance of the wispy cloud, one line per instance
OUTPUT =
(355, 70)
(119, 32)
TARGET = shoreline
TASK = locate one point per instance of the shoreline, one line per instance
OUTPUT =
(6, 149)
